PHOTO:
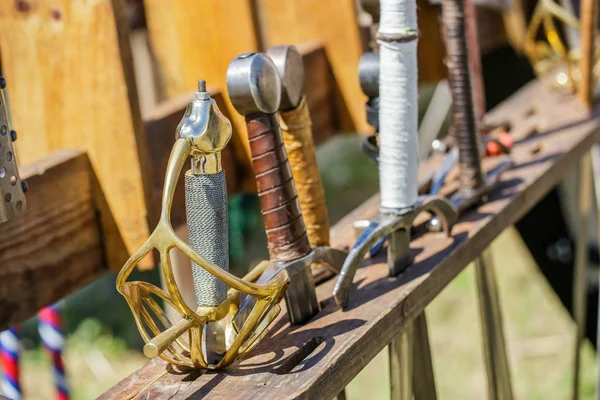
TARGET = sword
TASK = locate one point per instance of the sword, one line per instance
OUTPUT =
(398, 154)
(213, 340)
(254, 88)
(296, 129)
(458, 26)
(12, 188)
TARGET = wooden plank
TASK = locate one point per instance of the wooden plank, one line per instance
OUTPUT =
(344, 342)
(197, 40)
(431, 49)
(55, 247)
(71, 85)
(333, 23)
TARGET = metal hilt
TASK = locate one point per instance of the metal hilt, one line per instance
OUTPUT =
(284, 224)
(206, 210)
(205, 337)
(554, 60)
(254, 88)
(464, 119)
(397, 227)
(296, 128)
(206, 193)
(298, 141)
(12, 189)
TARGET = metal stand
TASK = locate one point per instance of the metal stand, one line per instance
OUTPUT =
(581, 262)
(496, 362)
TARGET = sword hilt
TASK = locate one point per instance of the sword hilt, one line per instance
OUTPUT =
(206, 192)
(296, 128)
(254, 89)
(465, 125)
(284, 224)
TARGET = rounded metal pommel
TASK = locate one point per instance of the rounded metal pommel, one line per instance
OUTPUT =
(289, 63)
(204, 124)
(368, 72)
(253, 84)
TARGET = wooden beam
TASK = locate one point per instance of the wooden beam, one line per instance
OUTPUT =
(55, 247)
(588, 26)
(71, 85)
(339, 344)
(197, 40)
(333, 23)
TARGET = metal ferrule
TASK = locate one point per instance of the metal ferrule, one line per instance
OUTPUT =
(207, 164)
(464, 119)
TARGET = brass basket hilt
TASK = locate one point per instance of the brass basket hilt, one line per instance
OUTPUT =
(203, 139)
(552, 59)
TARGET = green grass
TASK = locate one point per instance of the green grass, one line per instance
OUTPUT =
(539, 335)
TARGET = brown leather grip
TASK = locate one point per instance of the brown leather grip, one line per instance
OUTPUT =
(296, 128)
(286, 233)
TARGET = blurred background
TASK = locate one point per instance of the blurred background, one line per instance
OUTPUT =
(113, 78)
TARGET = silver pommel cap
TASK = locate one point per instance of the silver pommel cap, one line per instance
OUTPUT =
(207, 129)
(288, 61)
(253, 84)
(368, 73)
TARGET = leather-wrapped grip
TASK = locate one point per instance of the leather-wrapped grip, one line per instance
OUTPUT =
(284, 225)
(296, 128)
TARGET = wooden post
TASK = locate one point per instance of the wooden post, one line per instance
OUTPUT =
(586, 64)
(55, 247)
(72, 86)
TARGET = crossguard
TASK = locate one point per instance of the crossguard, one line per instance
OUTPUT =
(398, 227)
(164, 338)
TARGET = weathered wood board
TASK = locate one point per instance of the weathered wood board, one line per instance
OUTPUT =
(318, 359)
(334, 24)
(71, 85)
(55, 247)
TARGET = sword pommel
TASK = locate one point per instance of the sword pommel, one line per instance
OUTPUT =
(253, 84)
(368, 73)
(207, 129)
(289, 63)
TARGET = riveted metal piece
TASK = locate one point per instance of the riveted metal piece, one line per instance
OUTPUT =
(12, 191)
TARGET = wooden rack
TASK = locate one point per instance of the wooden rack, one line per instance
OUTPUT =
(318, 359)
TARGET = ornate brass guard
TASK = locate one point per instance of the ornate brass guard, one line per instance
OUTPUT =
(553, 59)
(182, 343)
